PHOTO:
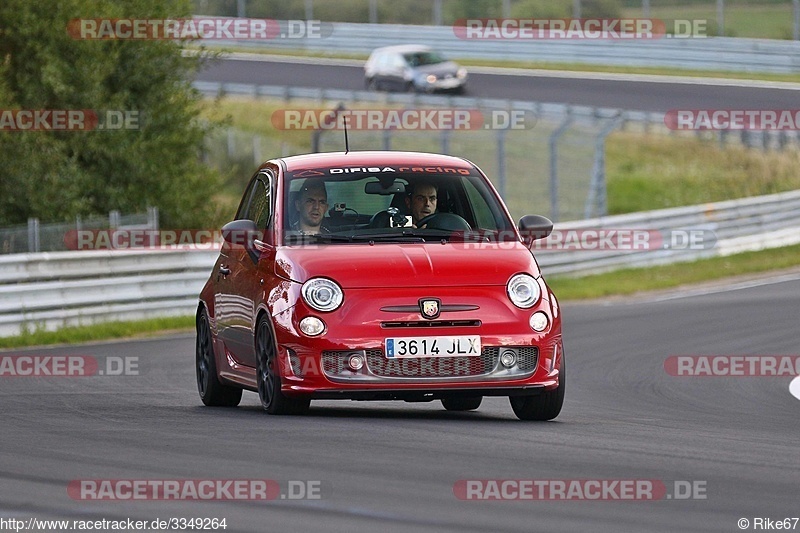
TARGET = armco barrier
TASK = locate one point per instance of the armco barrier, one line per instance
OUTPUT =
(52, 290)
(712, 53)
(57, 289)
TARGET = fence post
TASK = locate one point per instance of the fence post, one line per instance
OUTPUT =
(373, 11)
(597, 189)
(231, 144)
(152, 218)
(33, 235)
(554, 137)
(446, 141)
(796, 17)
(501, 162)
(387, 139)
(257, 150)
(113, 219)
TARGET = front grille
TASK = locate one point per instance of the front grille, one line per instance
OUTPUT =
(527, 358)
(430, 367)
(432, 324)
(294, 361)
(334, 364)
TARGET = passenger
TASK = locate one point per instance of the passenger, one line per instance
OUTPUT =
(311, 205)
(422, 201)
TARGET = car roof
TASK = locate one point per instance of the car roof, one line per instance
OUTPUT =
(371, 159)
(404, 48)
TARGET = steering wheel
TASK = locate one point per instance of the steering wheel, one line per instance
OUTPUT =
(445, 221)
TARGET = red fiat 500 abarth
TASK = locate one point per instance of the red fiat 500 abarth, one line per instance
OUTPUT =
(379, 276)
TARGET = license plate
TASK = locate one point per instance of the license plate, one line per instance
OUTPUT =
(458, 346)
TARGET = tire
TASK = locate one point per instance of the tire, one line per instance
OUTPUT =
(212, 392)
(545, 406)
(462, 404)
(268, 376)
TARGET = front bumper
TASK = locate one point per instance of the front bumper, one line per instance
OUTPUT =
(442, 84)
(318, 366)
(325, 373)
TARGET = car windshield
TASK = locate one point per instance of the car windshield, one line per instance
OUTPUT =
(420, 59)
(392, 205)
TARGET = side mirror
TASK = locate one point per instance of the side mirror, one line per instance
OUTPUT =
(535, 227)
(241, 232)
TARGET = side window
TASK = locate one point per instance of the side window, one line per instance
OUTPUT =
(257, 202)
(483, 214)
(260, 210)
(397, 62)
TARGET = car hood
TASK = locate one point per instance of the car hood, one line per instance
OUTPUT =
(411, 265)
(448, 67)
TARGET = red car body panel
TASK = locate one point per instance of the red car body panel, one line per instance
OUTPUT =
(383, 284)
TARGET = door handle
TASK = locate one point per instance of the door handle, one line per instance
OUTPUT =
(225, 271)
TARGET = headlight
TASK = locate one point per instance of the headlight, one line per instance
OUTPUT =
(430, 78)
(462, 73)
(312, 326)
(523, 291)
(322, 294)
(538, 321)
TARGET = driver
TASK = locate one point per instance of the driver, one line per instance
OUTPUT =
(311, 205)
(422, 201)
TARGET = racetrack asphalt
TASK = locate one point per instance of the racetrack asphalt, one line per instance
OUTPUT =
(632, 93)
(387, 466)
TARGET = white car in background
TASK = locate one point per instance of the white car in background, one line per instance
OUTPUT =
(413, 67)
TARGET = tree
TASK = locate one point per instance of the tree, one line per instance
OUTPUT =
(56, 175)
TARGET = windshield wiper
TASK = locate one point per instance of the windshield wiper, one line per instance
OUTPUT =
(329, 237)
(403, 237)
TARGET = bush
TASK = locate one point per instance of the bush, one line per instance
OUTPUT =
(56, 175)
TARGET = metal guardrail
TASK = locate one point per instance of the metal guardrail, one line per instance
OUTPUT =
(37, 237)
(57, 289)
(737, 226)
(52, 290)
(698, 53)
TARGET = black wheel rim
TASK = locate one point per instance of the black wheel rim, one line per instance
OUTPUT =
(266, 367)
(203, 356)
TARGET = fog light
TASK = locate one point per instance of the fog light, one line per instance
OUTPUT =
(508, 358)
(312, 326)
(355, 362)
(538, 321)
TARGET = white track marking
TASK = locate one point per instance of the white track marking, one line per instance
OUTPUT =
(794, 387)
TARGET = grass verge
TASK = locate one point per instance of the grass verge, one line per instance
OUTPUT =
(634, 280)
(99, 331)
(643, 171)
